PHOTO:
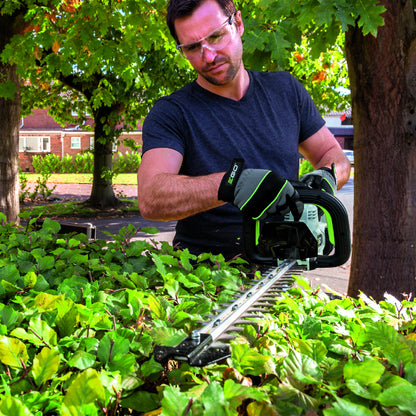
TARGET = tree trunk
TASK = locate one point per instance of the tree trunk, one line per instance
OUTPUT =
(102, 193)
(383, 89)
(9, 156)
(9, 127)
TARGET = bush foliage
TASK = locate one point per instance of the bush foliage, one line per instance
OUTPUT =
(79, 320)
(83, 162)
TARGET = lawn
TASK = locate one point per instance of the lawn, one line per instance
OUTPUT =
(121, 179)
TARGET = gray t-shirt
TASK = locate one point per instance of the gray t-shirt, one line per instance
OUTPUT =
(264, 128)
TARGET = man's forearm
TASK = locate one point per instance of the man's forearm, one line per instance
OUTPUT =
(172, 197)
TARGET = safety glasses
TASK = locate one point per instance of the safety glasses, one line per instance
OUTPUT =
(218, 39)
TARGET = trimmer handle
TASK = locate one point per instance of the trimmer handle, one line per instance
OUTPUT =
(337, 218)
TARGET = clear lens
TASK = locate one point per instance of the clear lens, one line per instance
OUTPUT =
(216, 40)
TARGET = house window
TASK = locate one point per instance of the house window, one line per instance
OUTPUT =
(75, 142)
(34, 144)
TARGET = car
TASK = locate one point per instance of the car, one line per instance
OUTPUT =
(350, 155)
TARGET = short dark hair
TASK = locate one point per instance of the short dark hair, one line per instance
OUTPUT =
(183, 8)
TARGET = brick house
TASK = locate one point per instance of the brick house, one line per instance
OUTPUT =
(39, 134)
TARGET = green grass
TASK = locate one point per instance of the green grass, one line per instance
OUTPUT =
(121, 179)
(77, 209)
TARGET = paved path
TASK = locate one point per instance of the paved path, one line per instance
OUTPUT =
(336, 278)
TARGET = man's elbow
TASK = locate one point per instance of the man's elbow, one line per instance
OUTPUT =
(146, 210)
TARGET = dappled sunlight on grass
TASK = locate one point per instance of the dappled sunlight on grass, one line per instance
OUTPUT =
(121, 179)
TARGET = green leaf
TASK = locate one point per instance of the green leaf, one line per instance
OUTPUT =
(313, 348)
(382, 334)
(156, 307)
(261, 409)
(248, 360)
(369, 391)
(151, 367)
(403, 396)
(302, 368)
(365, 372)
(174, 402)
(11, 406)
(159, 264)
(235, 393)
(30, 280)
(46, 263)
(168, 337)
(12, 352)
(9, 317)
(8, 90)
(45, 365)
(112, 346)
(9, 273)
(370, 17)
(67, 316)
(185, 256)
(141, 401)
(86, 389)
(10, 287)
(398, 354)
(410, 373)
(123, 364)
(344, 407)
(51, 226)
(214, 401)
(43, 331)
(46, 301)
(82, 360)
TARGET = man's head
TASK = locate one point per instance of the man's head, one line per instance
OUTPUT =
(208, 32)
(184, 8)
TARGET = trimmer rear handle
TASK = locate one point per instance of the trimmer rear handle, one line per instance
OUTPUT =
(338, 221)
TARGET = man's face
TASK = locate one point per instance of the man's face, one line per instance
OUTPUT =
(217, 66)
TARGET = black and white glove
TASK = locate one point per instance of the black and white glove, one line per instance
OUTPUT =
(324, 179)
(259, 192)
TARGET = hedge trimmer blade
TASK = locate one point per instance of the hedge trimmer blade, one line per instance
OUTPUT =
(202, 348)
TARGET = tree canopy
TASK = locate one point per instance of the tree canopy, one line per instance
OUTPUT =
(96, 58)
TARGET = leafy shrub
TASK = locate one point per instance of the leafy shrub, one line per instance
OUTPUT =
(78, 322)
(84, 163)
(23, 181)
(47, 164)
(41, 188)
(305, 167)
(67, 164)
(128, 163)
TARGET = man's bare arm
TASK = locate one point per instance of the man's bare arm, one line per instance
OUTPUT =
(165, 195)
(322, 149)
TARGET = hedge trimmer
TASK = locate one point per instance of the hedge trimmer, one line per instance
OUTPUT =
(282, 247)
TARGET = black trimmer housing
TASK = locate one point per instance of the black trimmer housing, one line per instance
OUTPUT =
(321, 237)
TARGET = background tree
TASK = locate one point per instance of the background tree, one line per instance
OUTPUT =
(12, 22)
(100, 58)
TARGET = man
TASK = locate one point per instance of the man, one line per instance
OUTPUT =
(192, 137)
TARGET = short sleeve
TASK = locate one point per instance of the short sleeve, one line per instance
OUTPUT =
(163, 127)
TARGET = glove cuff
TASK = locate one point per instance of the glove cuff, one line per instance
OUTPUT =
(323, 178)
(229, 181)
(330, 177)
